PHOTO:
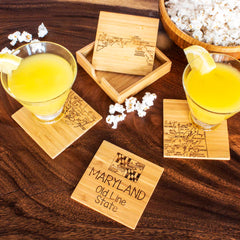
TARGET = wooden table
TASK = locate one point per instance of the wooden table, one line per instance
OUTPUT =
(194, 199)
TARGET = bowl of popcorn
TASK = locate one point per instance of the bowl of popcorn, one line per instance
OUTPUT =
(213, 24)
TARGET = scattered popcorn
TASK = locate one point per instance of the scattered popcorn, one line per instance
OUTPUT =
(148, 98)
(141, 108)
(13, 42)
(6, 50)
(214, 22)
(15, 52)
(131, 105)
(35, 41)
(116, 108)
(147, 102)
(110, 119)
(115, 119)
(42, 31)
(25, 37)
(37, 46)
(14, 37)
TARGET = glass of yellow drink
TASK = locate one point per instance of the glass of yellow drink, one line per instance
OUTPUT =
(214, 96)
(43, 79)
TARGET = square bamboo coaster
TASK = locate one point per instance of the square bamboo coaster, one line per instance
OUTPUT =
(54, 138)
(125, 43)
(118, 184)
(120, 86)
(183, 140)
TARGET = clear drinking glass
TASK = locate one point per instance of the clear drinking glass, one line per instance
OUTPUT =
(54, 59)
(207, 118)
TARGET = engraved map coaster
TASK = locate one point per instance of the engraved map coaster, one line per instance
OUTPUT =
(54, 138)
(125, 43)
(118, 184)
(183, 140)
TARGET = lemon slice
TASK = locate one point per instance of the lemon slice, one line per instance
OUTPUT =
(199, 59)
(9, 62)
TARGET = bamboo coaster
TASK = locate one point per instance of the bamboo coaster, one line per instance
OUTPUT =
(118, 184)
(120, 86)
(54, 138)
(183, 140)
(125, 43)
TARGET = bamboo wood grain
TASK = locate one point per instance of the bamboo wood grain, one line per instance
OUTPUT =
(194, 199)
(120, 86)
(99, 191)
(125, 43)
(183, 140)
(78, 117)
(184, 40)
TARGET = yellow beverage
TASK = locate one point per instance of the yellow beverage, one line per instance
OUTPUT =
(41, 83)
(213, 96)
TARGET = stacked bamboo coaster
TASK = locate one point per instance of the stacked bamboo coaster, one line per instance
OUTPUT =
(124, 59)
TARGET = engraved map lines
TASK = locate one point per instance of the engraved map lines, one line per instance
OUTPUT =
(182, 139)
(141, 48)
(77, 113)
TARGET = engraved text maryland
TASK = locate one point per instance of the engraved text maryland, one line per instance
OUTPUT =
(111, 190)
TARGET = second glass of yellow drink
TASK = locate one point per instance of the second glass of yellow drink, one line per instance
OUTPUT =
(43, 79)
(212, 95)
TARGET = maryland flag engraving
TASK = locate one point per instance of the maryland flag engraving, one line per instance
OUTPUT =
(126, 167)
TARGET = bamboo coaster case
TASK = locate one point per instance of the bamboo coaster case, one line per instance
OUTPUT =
(115, 35)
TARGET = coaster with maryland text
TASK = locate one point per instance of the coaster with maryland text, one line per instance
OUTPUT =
(78, 118)
(118, 184)
(183, 140)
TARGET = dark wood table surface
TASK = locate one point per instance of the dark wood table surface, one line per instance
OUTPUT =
(194, 199)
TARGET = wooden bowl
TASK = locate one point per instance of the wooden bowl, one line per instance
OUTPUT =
(183, 40)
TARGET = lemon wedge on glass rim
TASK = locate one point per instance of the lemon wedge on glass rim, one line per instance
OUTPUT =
(9, 62)
(199, 59)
